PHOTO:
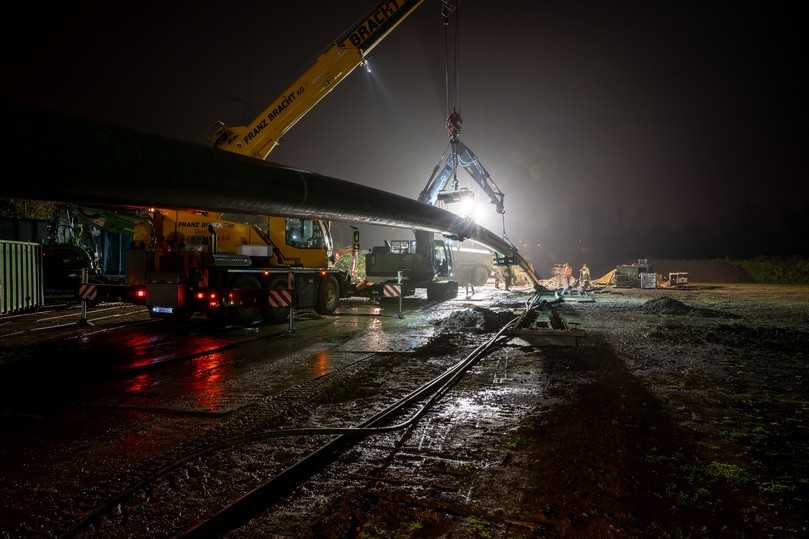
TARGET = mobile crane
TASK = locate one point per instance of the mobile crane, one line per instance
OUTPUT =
(426, 262)
(197, 261)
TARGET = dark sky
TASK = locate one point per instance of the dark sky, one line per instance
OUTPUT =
(617, 131)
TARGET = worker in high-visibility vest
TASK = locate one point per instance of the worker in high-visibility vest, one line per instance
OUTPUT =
(567, 275)
(584, 277)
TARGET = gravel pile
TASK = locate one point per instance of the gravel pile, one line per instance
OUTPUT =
(667, 305)
(477, 319)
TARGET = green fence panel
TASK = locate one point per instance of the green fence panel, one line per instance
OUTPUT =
(21, 285)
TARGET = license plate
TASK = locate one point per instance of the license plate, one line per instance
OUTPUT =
(163, 310)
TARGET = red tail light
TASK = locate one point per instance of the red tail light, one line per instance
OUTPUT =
(140, 293)
(200, 295)
(213, 295)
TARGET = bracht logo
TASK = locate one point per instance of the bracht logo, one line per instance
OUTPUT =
(375, 20)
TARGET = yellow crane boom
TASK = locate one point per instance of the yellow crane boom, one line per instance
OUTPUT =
(261, 136)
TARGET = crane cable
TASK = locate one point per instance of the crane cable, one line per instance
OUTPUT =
(452, 8)
(448, 8)
(457, 54)
(451, 53)
(445, 8)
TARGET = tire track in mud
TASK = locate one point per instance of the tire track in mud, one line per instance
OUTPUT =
(268, 412)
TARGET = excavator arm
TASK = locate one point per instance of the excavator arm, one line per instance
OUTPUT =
(470, 162)
(459, 154)
(349, 51)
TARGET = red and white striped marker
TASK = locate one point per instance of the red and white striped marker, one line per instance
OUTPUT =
(88, 291)
(391, 290)
(280, 298)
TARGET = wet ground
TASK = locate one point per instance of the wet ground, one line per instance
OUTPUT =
(684, 416)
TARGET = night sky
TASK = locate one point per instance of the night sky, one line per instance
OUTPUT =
(615, 132)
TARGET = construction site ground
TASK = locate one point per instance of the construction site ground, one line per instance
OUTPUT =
(684, 413)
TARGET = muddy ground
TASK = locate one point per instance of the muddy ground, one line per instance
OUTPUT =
(685, 415)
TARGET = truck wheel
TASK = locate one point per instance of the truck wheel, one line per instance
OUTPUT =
(432, 292)
(276, 315)
(480, 275)
(247, 314)
(328, 295)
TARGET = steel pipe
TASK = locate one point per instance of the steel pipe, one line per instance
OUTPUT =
(73, 160)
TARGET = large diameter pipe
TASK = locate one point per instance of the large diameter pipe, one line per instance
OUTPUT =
(73, 160)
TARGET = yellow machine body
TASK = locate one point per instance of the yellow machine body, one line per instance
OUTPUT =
(286, 241)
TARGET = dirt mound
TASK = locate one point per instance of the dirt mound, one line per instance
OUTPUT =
(665, 305)
(477, 319)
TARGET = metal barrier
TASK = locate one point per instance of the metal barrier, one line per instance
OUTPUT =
(21, 285)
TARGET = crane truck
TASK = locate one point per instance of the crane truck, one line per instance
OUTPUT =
(187, 261)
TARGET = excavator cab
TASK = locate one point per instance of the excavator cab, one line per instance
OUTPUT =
(442, 260)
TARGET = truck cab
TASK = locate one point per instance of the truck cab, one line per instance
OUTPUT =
(224, 264)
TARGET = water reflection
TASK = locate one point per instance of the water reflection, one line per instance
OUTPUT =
(320, 365)
(135, 342)
(139, 384)
(207, 380)
(149, 350)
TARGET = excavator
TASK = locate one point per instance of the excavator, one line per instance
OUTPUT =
(198, 261)
(426, 262)
(433, 264)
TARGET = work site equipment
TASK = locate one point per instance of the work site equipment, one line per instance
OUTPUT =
(473, 266)
(199, 261)
(629, 275)
(174, 270)
(429, 263)
(21, 287)
(143, 165)
(400, 262)
(349, 51)
(457, 154)
(678, 279)
(225, 265)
